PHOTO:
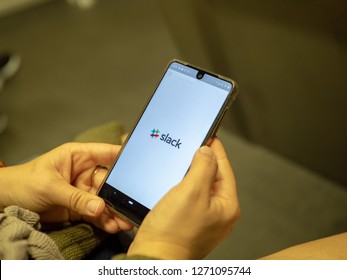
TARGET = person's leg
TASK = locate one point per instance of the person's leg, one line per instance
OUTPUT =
(329, 248)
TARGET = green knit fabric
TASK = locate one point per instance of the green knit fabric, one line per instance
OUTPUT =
(75, 242)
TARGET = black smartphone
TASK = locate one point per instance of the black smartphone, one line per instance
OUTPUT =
(182, 114)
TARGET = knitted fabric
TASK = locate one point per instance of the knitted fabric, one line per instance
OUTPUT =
(20, 238)
(75, 242)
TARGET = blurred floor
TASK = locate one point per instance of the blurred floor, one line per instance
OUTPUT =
(82, 68)
(79, 68)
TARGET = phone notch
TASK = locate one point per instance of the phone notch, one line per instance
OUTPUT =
(200, 74)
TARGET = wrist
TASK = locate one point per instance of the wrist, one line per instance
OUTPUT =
(3, 186)
(9, 180)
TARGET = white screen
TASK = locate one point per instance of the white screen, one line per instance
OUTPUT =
(183, 108)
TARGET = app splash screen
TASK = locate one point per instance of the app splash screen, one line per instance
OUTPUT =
(171, 129)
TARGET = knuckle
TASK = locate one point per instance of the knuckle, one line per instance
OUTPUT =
(75, 200)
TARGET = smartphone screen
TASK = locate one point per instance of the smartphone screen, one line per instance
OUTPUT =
(179, 117)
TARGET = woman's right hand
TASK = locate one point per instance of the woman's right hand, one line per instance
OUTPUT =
(194, 216)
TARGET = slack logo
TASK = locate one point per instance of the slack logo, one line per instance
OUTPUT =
(154, 133)
(166, 138)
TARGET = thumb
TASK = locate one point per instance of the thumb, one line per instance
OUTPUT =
(78, 201)
(202, 172)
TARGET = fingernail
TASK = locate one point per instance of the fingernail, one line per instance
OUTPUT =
(93, 206)
(206, 151)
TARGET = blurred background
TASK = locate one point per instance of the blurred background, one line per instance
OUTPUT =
(87, 62)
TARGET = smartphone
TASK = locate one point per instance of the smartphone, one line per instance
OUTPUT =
(182, 114)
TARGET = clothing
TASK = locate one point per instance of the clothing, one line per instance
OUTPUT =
(77, 241)
(20, 237)
(23, 237)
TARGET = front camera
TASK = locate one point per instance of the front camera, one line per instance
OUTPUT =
(200, 75)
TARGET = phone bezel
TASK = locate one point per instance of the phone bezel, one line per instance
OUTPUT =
(136, 212)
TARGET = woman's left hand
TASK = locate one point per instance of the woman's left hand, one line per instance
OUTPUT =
(62, 184)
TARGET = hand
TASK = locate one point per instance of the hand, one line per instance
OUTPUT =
(195, 215)
(58, 185)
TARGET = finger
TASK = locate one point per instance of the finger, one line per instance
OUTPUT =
(122, 223)
(76, 200)
(104, 222)
(109, 223)
(102, 154)
(98, 177)
(124, 137)
(202, 172)
(226, 185)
